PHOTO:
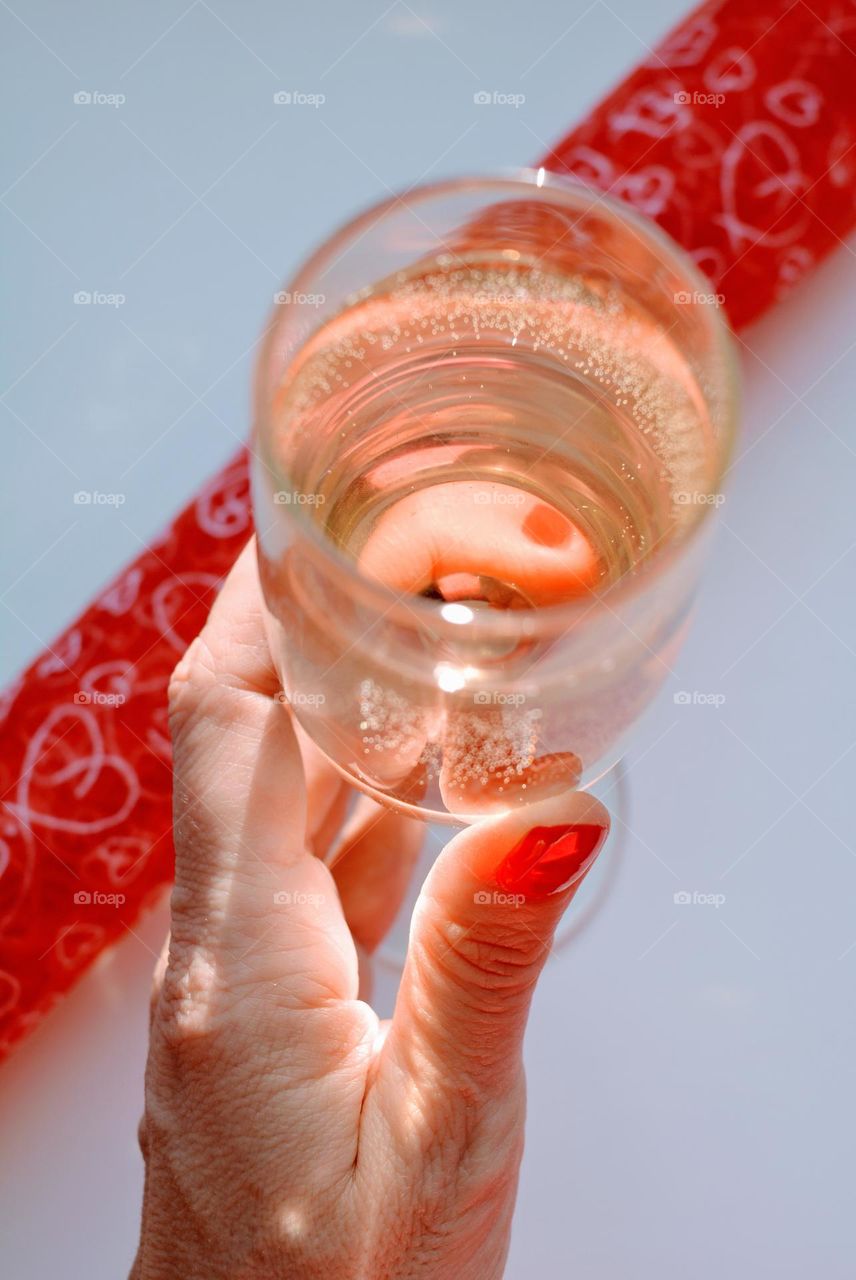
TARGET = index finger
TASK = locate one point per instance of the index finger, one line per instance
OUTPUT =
(249, 897)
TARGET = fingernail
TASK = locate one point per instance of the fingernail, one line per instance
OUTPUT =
(547, 527)
(549, 859)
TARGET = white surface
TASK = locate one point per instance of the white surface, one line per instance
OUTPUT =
(690, 1066)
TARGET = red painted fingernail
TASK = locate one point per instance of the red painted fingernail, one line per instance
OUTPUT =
(548, 859)
(547, 527)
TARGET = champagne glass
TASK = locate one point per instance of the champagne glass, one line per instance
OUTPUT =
(491, 420)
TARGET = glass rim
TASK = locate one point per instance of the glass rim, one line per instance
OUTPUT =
(502, 623)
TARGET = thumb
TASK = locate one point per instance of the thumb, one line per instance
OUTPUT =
(480, 936)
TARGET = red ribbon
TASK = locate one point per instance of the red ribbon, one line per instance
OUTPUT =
(737, 135)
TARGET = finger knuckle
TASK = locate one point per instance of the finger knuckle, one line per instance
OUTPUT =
(189, 1008)
(501, 957)
(143, 1138)
(192, 676)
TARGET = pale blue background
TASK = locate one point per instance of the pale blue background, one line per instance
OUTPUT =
(691, 1068)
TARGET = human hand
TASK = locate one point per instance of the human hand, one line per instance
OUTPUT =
(288, 1131)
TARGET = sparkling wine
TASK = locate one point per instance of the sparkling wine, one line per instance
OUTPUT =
(493, 435)
(550, 401)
